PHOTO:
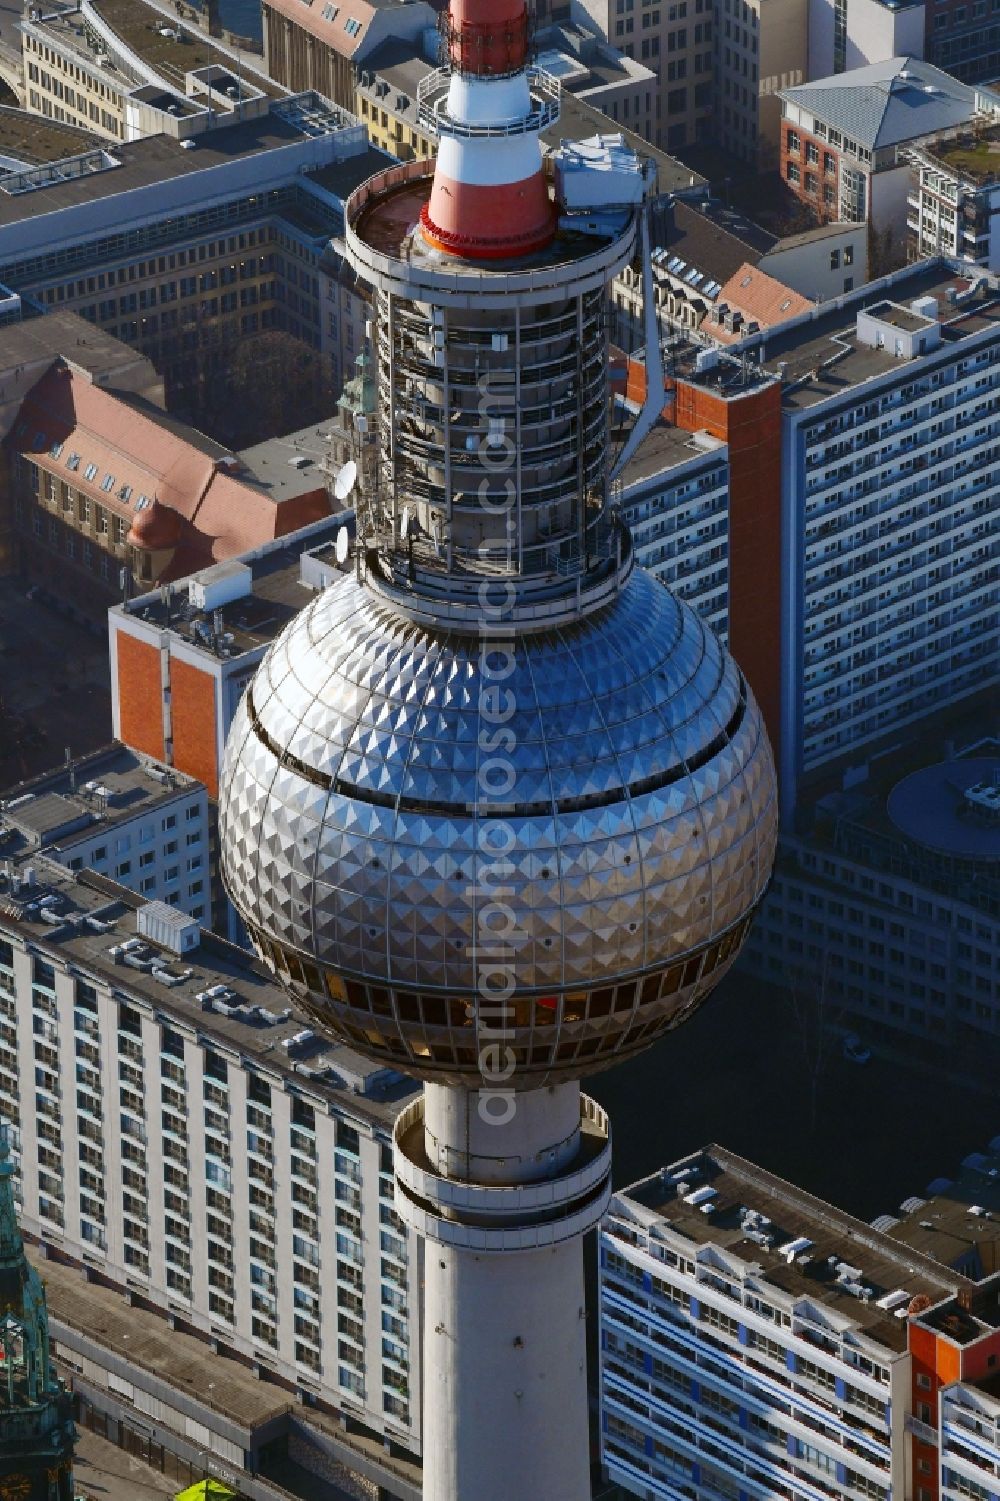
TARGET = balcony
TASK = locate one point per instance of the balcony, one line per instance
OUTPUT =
(922, 1431)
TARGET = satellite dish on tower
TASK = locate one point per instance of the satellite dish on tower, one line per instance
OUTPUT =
(404, 525)
(346, 480)
(343, 542)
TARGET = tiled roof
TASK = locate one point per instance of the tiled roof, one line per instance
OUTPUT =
(120, 453)
(760, 298)
(342, 25)
(888, 102)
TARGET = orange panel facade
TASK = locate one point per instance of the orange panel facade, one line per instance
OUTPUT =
(751, 427)
(193, 719)
(140, 695)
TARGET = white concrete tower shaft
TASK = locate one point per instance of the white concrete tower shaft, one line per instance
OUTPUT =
(503, 1188)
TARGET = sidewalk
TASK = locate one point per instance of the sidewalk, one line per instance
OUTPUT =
(103, 1472)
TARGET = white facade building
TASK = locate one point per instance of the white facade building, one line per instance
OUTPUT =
(675, 498)
(847, 34)
(181, 1133)
(142, 823)
(752, 1340)
(969, 1442)
(890, 439)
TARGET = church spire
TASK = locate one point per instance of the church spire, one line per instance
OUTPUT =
(11, 1244)
(36, 1422)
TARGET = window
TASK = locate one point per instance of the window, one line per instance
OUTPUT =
(792, 172)
(793, 142)
(834, 260)
(848, 255)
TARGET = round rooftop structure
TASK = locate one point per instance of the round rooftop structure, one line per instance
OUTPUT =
(952, 808)
(593, 805)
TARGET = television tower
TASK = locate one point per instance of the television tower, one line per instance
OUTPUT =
(498, 809)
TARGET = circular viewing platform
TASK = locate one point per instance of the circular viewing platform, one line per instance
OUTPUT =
(498, 1218)
(386, 246)
(433, 116)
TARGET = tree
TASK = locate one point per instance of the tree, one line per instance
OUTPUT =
(815, 1018)
(273, 384)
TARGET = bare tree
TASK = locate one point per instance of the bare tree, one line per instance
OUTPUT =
(815, 1015)
(272, 384)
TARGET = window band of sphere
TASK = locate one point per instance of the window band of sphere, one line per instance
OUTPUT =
(434, 1034)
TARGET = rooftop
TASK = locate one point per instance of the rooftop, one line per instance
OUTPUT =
(36, 341)
(63, 806)
(760, 300)
(154, 39)
(799, 1244)
(888, 102)
(820, 355)
(973, 155)
(141, 1338)
(667, 447)
(284, 466)
(701, 247)
(156, 160)
(88, 918)
(344, 26)
(253, 621)
(30, 139)
(128, 456)
(955, 1220)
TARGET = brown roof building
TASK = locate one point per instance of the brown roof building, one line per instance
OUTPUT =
(312, 44)
(749, 301)
(104, 482)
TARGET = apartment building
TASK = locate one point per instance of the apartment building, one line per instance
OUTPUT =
(142, 823)
(675, 498)
(889, 443)
(311, 44)
(186, 1138)
(884, 909)
(181, 253)
(754, 1339)
(757, 1341)
(121, 70)
(843, 138)
(953, 206)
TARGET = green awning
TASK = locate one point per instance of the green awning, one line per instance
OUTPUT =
(207, 1490)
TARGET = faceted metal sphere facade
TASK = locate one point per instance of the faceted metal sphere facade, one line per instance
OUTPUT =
(611, 855)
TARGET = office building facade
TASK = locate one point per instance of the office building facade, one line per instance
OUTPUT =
(182, 1134)
(181, 253)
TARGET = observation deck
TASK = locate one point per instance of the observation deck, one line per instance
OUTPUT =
(384, 242)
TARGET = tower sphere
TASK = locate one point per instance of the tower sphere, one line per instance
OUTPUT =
(562, 834)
